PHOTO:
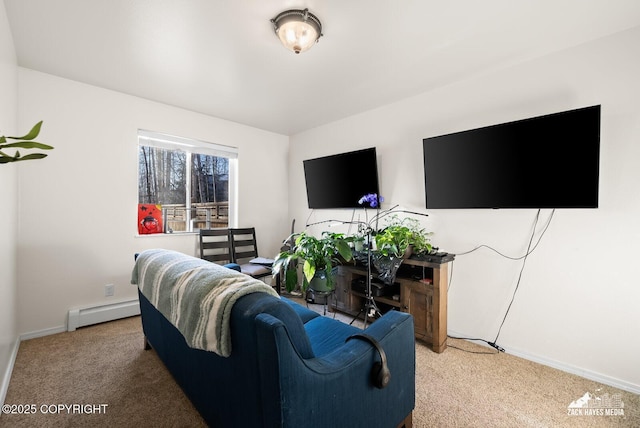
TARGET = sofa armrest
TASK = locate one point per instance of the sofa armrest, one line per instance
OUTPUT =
(335, 389)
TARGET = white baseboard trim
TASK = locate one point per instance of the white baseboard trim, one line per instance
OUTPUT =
(89, 315)
(4, 386)
(587, 374)
(42, 333)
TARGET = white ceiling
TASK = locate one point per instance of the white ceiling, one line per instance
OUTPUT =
(221, 57)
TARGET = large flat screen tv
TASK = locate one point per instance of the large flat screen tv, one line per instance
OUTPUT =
(548, 161)
(339, 181)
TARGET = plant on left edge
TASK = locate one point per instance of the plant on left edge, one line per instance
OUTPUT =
(25, 142)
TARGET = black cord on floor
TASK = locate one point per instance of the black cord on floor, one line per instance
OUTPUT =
(474, 352)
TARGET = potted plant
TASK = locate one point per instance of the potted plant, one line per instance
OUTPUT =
(317, 255)
(402, 237)
(358, 239)
(396, 242)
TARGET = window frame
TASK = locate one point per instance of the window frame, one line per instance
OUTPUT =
(190, 146)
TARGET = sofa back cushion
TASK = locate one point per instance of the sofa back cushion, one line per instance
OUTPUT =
(251, 305)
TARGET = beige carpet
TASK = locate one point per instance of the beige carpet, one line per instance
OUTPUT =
(106, 365)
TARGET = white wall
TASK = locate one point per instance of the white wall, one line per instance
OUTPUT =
(8, 201)
(577, 304)
(78, 209)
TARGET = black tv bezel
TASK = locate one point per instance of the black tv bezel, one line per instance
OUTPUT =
(371, 168)
(590, 202)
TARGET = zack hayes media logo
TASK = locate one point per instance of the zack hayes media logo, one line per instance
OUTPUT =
(597, 405)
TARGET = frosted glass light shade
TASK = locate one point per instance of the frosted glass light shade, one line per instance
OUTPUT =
(298, 30)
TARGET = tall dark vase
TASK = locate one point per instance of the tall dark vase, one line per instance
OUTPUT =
(387, 267)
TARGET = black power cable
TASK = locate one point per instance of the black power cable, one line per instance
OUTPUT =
(519, 257)
(524, 261)
(467, 350)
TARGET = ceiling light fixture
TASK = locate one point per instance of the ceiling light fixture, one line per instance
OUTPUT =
(297, 29)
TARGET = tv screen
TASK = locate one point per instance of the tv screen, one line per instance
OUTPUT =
(340, 180)
(548, 161)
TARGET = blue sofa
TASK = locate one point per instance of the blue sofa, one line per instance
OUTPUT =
(290, 367)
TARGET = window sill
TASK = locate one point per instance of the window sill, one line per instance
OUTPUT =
(155, 235)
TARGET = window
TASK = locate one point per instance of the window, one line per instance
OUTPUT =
(183, 185)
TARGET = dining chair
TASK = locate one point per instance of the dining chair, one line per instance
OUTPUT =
(215, 245)
(244, 251)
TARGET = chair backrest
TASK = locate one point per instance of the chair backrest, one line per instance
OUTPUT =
(243, 244)
(215, 245)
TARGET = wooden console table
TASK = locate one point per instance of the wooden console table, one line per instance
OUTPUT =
(420, 289)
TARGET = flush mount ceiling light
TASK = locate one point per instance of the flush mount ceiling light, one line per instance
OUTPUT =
(297, 29)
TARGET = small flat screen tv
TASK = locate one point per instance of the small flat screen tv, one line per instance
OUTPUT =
(339, 181)
(549, 161)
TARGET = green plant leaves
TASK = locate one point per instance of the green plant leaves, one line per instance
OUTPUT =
(32, 156)
(316, 254)
(394, 239)
(309, 269)
(344, 250)
(27, 145)
(291, 280)
(35, 131)
(24, 142)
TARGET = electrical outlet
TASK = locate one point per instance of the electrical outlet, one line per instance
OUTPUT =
(109, 290)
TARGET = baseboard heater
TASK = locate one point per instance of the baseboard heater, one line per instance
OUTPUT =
(81, 317)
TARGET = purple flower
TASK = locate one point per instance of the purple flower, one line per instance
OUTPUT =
(372, 199)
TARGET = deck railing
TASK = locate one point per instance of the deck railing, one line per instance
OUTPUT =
(204, 215)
